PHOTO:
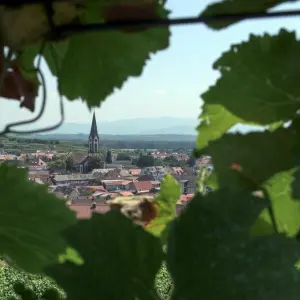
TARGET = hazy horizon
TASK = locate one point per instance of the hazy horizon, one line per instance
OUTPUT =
(134, 126)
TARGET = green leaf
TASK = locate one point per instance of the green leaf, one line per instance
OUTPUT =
(276, 125)
(31, 221)
(215, 120)
(286, 208)
(296, 185)
(166, 206)
(249, 92)
(260, 155)
(210, 252)
(95, 64)
(71, 255)
(120, 260)
(236, 7)
(212, 181)
(53, 53)
(263, 225)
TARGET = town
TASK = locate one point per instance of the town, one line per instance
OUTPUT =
(89, 178)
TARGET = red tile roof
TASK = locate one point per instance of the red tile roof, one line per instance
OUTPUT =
(185, 198)
(8, 157)
(125, 182)
(98, 188)
(141, 185)
(126, 194)
(84, 211)
(113, 182)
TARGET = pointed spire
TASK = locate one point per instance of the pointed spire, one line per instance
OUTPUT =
(94, 130)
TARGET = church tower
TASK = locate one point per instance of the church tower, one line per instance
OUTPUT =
(93, 138)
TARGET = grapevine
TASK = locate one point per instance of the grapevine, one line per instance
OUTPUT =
(240, 241)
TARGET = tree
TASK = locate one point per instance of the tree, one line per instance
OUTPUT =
(96, 162)
(171, 159)
(58, 165)
(27, 159)
(70, 163)
(123, 156)
(145, 161)
(108, 158)
(191, 161)
(45, 158)
(55, 157)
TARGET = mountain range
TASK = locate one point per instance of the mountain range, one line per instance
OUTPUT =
(139, 126)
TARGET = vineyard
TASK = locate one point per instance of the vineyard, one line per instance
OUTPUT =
(239, 242)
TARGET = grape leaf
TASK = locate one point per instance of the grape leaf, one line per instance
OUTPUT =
(260, 155)
(237, 7)
(120, 260)
(215, 120)
(286, 208)
(19, 85)
(31, 221)
(210, 242)
(131, 10)
(52, 52)
(166, 206)
(249, 92)
(296, 185)
(100, 69)
(27, 24)
(212, 181)
(263, 225)
(296, 180)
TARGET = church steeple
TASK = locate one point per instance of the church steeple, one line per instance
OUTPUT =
(94, 137)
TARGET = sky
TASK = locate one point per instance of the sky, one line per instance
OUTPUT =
(172, 81)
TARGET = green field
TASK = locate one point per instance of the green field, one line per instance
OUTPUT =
(16, 146)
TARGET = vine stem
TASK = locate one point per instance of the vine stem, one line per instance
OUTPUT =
(271, 210)
(6, 65)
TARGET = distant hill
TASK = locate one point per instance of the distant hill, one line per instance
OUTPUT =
(139, 126)
(123, 137)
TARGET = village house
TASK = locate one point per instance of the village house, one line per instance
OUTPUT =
(160, 155)
(157, 172)
(39, 154)
(65, 191)
(155, 184)
(138, 187)
(121, 164)
(116, 185)
(177, 171)
(84, 212)
(104, 172)
(125, 194)
(41, 174)
(146, 177)
(74, 179)
(135, 172)
(187, 183)
(10, 159)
